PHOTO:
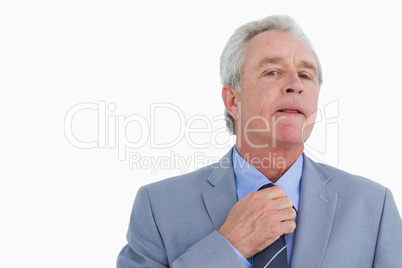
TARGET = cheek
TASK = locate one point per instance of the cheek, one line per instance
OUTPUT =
(312, 100)
(311, 114)
(257, 100)
(257, 107)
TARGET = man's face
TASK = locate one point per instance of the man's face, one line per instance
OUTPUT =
(280, 90)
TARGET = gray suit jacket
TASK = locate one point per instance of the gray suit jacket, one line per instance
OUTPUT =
(344, 221)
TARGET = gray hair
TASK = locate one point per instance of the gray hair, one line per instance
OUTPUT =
(233, 55)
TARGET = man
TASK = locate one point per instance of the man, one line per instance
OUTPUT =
(229, 215)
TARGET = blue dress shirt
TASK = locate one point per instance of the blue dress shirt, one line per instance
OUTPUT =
(249, 179)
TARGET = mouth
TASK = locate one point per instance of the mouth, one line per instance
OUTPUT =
(291, 111)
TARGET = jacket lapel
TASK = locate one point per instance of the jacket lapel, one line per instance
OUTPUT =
(222, 196)
(315, 217)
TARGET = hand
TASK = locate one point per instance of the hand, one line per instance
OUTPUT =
(258, 220)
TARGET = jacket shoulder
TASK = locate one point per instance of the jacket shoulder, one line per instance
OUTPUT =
(345, 182)
(196, 181)
(191, 181)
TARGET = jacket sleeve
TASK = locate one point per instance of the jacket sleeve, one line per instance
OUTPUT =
(389, 241)
(145, 246)
(212, 251)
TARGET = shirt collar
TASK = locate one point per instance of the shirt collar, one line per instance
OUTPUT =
(249, 179)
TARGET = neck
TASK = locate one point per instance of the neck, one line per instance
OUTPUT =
(272, 162)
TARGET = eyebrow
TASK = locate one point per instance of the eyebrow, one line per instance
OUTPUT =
(278, 60)
(309, 65)
(272, 60)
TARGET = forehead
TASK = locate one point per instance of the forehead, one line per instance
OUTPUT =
(274, 44)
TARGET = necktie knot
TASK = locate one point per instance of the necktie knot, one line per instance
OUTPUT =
(268, 185)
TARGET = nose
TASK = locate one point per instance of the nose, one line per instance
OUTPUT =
(293, 84)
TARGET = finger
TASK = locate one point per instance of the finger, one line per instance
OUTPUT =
(283, 202)
(272, 192)
(288, 227)
(287, 214)
(278, 209)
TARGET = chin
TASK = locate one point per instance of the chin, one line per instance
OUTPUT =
(291, 136)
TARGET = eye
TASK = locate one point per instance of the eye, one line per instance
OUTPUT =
(304, 76)
(271, 73)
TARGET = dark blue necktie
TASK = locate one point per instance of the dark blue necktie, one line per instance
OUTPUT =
(274, 256)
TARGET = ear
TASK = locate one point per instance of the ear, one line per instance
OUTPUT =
(230, 98)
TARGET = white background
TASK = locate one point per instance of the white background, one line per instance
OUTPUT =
(63, 206)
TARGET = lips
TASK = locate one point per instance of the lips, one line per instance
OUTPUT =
(291, 109)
